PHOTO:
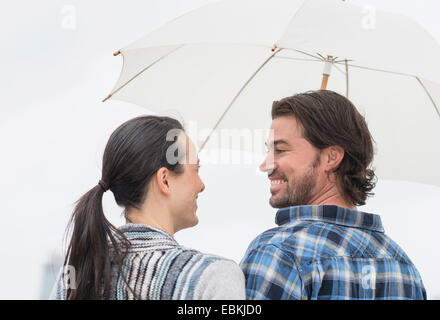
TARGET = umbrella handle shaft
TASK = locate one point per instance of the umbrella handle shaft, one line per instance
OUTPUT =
(324, 81)
(327, 72)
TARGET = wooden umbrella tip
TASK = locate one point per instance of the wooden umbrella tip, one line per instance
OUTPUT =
(116, 53)
(274, 47)
(106, 98)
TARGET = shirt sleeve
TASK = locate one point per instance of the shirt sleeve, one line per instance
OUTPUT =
(271, 274)
(221, 280)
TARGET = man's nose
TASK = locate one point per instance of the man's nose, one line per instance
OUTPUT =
(268, 165)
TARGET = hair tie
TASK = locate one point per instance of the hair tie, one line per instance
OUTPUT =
(103, 185)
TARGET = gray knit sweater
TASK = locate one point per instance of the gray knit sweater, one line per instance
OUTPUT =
(157, 267)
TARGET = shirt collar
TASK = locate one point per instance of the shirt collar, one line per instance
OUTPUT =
(330, 214)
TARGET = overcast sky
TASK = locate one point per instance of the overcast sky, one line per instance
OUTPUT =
(53, 130)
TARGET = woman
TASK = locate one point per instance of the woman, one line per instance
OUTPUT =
(150, 166)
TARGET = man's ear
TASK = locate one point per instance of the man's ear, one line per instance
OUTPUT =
(334, 156)
(162, 179)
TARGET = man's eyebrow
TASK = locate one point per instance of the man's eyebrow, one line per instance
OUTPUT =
(277, 142)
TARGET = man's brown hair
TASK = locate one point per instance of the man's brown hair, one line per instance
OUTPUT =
(329, 119)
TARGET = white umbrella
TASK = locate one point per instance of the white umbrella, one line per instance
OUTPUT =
(223, 65)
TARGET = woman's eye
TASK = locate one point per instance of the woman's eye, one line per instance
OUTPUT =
(279, 151)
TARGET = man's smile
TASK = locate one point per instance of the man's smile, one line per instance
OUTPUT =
(276, 184)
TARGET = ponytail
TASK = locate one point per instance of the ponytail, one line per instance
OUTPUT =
(88, 250)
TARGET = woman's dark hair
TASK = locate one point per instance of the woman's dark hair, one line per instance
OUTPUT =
(133, 154)
(329, 119)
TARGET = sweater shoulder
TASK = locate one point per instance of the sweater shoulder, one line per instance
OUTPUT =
(223, 279)
(180, 265)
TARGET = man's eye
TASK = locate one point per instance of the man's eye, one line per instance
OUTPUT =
(279, 151)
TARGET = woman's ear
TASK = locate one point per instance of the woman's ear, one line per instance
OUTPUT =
(162, 179)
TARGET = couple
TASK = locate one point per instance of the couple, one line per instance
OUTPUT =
(322, 248)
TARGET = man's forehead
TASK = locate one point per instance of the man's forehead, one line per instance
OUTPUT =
(284, 129)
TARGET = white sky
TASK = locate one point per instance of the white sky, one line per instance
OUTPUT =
(53, 130)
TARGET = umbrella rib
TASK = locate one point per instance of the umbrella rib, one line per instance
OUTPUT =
(307, 54)
(374, 69)
(298, 59)
(407, 75)
(429, 95)
(140, 72)
(236, 96)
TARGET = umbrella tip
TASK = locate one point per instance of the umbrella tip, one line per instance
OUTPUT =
(274, 47)
(116, 53)
(106, 98)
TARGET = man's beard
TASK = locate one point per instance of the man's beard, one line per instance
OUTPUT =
(301, 192)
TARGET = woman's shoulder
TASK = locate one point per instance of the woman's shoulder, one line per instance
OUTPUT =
(146, 240)
(214, 276)
(211, 276)
(209, 258)
(177, 258)
(222, 279)
(187, 273)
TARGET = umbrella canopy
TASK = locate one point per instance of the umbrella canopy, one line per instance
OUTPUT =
(224, 64)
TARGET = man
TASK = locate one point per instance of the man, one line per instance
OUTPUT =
(324, 248)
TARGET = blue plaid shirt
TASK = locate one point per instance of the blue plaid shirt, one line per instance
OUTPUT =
(328, 252)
